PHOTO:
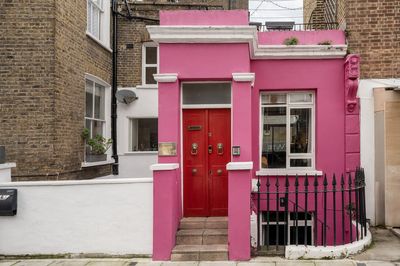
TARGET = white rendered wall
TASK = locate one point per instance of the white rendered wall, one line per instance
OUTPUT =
(136, 164)
(367, 136)
(112, 216)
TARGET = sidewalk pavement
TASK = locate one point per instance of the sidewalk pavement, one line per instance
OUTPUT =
(147, 262)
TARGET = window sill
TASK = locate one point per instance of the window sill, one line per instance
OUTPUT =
(91, 164)
(140, 152)
(91, 36)
(153, 86)
(289, 172)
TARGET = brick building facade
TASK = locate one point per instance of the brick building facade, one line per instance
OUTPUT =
(46, 53)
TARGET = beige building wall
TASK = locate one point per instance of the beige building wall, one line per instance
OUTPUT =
(387, 156)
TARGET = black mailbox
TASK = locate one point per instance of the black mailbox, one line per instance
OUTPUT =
(8, 202)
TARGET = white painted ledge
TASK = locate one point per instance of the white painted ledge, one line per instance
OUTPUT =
(91, 164)
(244, 77)
(96, 181)
(289, 172)
(99, 42)
(237, 166)
(319, 252)
(170, 77)
(7, 165)
(164, 166)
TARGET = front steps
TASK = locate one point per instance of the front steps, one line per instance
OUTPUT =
(201, 238)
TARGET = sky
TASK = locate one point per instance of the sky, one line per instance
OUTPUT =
(276, 10)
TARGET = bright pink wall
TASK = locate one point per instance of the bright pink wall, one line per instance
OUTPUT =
(326, 79)
(304, 37)
(204, 61)
(204, 17)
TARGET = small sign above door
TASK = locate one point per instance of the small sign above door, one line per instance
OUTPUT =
(194, 128)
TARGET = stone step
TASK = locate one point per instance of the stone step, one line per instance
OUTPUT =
(200, 253)
(204, 223)
(202, 236)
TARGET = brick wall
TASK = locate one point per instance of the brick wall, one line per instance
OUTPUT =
(132, 33)
(374, 33)
(313, 11)
(46, 54)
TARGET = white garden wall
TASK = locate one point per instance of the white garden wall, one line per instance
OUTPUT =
(110, 216)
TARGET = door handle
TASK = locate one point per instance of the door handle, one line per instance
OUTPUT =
(219, 172)
(220, 148)
(195, 148)
(194, 171)
(210, 149)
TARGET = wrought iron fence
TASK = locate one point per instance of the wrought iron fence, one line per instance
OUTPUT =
(310, 210)
(302, 27)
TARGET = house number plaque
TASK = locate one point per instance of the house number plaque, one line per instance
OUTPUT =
(167, 149)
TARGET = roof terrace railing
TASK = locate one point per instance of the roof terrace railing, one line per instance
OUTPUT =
(299, 27)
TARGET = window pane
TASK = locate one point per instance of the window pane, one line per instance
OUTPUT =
(149, 75)
(206, 93)
(97, 128)
(88, 125)
(151, 55)
(89, 16)
(274, 137)
(300, 97)
(99, 102)
(300, 162)
(300, 130)
(89, 99)
(144, 134)
(273, 98)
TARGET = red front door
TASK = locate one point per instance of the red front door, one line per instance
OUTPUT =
(206, 151)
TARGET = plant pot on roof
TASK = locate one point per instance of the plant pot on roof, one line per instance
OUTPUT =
(96, 147)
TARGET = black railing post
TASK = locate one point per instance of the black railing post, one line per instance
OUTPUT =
(258, 212)
(286, 209)
(350, 210)
(277, 214)
(267, 235)
(356, 199)
(363, 199)
(325, 191)
(296, 208)
(334, 208)
(316, 210)
(305, 209)
(342, 191)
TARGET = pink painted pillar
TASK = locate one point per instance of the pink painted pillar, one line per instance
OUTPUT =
(167, 202)
(240, 170)
(164, 217)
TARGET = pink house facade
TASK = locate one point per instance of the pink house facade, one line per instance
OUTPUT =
(241, 114)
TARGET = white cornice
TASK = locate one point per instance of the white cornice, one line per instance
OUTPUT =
(244, 77)
(167, 77)
(202, 34)
(243, 34)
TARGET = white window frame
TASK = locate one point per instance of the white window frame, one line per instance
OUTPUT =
(104, 22)
(144, 65)
(130, 135)
(107, 116)
(290, 155)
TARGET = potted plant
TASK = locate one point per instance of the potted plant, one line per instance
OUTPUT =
(96, 147)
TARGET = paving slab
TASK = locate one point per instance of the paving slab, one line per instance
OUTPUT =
(34, 263)
(217, 263)
(109, 263)
(335, 263)
(8, 263)
(256, 263)
(149, 263)
(70, 263)
(375, 263)
(180, 263)
(295, 263)
(385, 247)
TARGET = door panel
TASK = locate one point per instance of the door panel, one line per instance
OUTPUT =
(205, 175)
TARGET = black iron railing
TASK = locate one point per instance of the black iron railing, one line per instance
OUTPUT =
(302, 27)
(310, 210)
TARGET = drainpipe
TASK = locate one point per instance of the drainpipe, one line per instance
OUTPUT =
(114, 87)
